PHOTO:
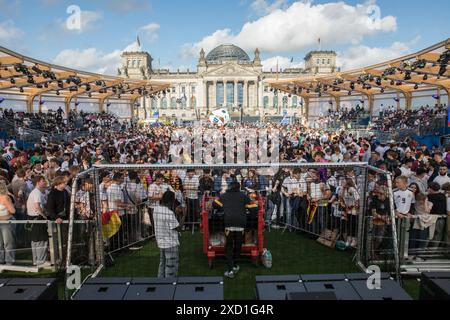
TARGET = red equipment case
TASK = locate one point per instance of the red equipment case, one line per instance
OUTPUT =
(254, 251)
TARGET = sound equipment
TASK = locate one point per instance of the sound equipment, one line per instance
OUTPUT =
(29, 289)
(151, 289)
(281, 278)
(199, 288)
(342, 290)
(277, 290)
(389, 290)
(435, 286)
(311, 296)
(322, 277)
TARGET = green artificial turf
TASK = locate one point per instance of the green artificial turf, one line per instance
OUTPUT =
(292, 253)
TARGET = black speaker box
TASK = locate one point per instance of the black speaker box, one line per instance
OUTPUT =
(199, 291)
(150, 292)
(390, 290)
(342, 290)
(322, 277)
(311, 296)
(277, 290)
(435, 286)
(29, 289)
(101, 292)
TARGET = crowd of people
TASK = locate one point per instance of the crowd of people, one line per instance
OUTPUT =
(57, 122)
(36, 184)
(391, 119)
(341, 117)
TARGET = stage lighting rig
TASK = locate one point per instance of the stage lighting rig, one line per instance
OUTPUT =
(36, 69)
(389, 71)
(407, 75)
(21, 68)
(443, 62)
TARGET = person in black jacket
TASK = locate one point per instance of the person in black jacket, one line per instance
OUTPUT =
(58, 201)
(234, 204)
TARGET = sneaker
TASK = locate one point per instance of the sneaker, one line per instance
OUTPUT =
(45, 265)
(236, 269)
(229, 274)
(275, 226)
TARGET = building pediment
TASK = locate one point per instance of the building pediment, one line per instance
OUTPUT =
(230, 69)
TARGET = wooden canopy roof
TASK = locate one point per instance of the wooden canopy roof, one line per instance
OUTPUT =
(422, 71)
(21, 75)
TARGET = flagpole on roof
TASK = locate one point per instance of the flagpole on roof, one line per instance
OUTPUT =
(277, 69)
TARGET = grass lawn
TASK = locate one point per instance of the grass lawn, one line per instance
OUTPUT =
(292, 254)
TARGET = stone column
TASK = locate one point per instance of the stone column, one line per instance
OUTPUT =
(235, 84)
(214, 100)
(205, 95)
(255, 95)
(188, 96)
(245, 90)
(225, 93)
(261, 93)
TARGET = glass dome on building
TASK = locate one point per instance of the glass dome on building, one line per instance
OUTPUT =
(227, 52)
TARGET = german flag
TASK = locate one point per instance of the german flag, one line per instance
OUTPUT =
(110, 224)
(311, 211)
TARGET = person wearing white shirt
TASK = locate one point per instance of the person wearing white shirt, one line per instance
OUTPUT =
(403, 198)
(337, 155)
(134, 193)
(35, 211)
(156, 190)
(191, 184)
(319, 194)
(166, 233)
(115, 195)
(293, 191)
(406, 168)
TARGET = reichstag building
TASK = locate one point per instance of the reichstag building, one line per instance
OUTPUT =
(225, 77)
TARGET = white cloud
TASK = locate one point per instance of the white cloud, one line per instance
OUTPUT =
(299, 26)
(363, 56)
(151, 31)
(263, 7)
(8, 31)
(88, 21)
(282, 62)
(93, 60)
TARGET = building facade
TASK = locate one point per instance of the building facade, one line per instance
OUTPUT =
(225, 77)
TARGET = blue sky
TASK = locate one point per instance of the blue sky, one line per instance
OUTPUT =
(173, 31)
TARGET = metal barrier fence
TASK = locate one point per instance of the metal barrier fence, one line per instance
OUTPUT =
(21, 251)
(326, 204)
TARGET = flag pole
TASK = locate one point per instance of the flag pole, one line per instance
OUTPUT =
(277, 69)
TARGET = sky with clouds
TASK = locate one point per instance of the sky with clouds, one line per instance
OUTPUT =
(362, 32)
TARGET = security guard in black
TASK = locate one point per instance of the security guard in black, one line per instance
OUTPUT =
(234, 204)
